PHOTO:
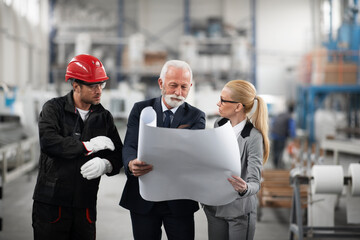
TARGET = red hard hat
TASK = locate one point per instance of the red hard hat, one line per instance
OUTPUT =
(86, 68)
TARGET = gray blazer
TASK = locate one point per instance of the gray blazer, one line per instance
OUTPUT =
(251, 150)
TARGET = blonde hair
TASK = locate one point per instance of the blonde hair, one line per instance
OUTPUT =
(245, 93)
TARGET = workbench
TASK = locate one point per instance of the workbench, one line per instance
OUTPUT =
(341, 146)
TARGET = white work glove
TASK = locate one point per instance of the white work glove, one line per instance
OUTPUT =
(98, 143)
(95, 167)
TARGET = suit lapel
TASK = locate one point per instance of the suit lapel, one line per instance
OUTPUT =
(159, 112)
(245, 133)
(179, 114)
(241, 142)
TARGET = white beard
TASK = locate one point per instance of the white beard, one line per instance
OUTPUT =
(173, 103)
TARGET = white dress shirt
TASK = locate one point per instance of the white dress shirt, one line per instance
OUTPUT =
(164, 108)
(239, 127)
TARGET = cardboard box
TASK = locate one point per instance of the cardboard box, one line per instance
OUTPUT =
(155, 58)
(340, 73)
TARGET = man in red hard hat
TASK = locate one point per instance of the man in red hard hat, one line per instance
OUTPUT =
(79, 143)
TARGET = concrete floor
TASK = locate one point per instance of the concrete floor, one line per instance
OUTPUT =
(113, 221)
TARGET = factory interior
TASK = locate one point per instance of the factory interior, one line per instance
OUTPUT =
(302, 54)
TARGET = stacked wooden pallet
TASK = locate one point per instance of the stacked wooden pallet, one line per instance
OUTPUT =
(276, 191)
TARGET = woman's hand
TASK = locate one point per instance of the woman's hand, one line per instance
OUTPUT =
(238, 183)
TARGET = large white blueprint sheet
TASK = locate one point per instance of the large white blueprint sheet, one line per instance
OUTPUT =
(187, 164)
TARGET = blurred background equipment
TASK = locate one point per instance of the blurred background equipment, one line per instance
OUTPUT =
(283, 128)
(303, 51)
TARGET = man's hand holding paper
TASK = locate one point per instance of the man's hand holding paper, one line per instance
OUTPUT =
(139, 168)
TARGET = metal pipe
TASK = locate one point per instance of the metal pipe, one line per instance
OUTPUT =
(187, 17)
(355, 11)
(51, 39)
(253, 43)
(331, 20)
(120, 33)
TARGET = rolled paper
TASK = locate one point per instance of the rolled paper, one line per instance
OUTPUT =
(354, 173)
(328, 179)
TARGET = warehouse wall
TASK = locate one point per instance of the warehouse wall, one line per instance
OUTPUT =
(23, 47)
(164, 20)
(284, 35)
(24, 59)
(285, 32)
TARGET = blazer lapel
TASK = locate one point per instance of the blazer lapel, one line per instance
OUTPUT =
(179, 114)
(245, 133)
(241, 142)
(159, 112)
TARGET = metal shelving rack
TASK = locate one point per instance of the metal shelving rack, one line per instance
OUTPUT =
(311, 98)
(59, 44)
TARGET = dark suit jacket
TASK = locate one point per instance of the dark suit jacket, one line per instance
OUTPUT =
(187, 117)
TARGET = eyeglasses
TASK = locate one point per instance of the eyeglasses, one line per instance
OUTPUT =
(94, 86)
(222, 101)
(228, 101)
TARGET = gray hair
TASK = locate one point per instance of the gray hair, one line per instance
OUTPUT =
(177, 64)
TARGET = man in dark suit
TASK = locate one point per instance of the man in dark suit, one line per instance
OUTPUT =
(177, 216)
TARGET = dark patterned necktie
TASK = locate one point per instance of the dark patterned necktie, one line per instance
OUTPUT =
(167, 120)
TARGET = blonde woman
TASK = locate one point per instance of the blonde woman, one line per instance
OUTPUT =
(237, 219)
